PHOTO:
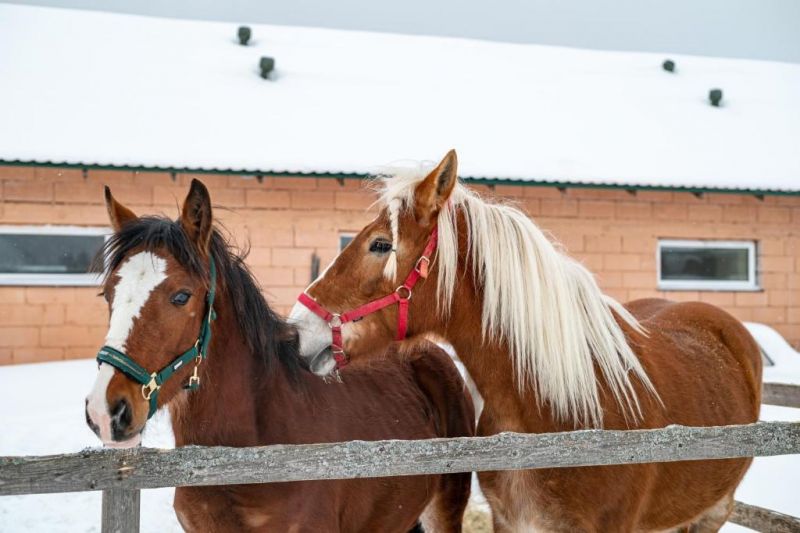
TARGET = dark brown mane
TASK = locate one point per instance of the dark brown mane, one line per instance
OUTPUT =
(268, 336)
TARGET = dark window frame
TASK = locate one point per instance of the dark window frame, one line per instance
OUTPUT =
(87, 279)
(750, 284)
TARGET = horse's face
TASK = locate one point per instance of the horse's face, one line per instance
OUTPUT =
(359, 275)
(156, 310)
(354, 278)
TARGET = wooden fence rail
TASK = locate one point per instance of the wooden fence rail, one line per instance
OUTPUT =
(120, 474)
(762, 519)
(144, 468)
(783, 394)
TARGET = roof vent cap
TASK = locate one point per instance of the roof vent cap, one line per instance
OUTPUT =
(267, 65)
(244, 34)
(715, 97)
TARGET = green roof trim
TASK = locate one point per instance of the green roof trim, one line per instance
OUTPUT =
(354, 175)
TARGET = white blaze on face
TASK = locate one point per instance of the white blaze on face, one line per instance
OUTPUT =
(138, 276)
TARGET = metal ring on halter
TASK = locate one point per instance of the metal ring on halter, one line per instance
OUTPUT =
(398, 289)
(335, 321)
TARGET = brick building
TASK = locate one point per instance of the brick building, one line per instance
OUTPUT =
(681, 199)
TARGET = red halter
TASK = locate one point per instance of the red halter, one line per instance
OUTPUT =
(401, 296)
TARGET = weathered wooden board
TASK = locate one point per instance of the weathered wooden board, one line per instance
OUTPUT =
(781, 394)
(120, 511)
(151, 468)
(761, 519)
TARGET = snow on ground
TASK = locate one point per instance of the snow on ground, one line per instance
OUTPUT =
(110, 89)
(46, 416)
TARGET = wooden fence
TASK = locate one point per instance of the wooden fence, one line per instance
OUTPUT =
(121, 474)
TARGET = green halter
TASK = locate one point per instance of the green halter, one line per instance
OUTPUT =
(151, 382)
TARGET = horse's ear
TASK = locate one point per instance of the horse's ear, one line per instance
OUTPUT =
(196, 216)
(434, 191)
(118, 214)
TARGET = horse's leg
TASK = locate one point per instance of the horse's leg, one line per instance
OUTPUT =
(445, 512)
(492, 485)
(714, 518)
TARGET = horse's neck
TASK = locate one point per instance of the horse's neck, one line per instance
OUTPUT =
(226, 408)
(505, 408)
(487, 361)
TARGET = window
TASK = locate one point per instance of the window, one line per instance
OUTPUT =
(49, 255)
(707, 265)
(344, 240)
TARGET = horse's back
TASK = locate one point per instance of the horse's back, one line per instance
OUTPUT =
(416, 383)
(438, 378)
(703, 362)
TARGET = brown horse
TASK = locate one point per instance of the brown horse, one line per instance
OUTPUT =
(547, 350)
(253, 388)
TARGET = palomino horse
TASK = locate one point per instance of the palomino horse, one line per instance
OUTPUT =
(169, 280)
(547, 350)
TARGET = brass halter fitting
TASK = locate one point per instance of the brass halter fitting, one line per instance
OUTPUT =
(194, 379)
(151, 387)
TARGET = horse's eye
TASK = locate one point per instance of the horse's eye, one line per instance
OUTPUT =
(380, 246)
(181, 298)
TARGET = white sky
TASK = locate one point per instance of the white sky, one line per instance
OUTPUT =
(757, 29)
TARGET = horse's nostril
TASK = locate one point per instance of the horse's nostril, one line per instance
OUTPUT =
(121, 417)
(89, 422)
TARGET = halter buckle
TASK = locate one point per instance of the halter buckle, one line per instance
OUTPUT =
(339, 356)
(335, 321)
(151, 387)
(399, 290)
(422, 268)
(194, 379)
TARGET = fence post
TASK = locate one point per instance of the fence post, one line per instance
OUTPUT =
(120, 511)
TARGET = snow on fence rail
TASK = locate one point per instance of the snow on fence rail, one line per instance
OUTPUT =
(122, 473)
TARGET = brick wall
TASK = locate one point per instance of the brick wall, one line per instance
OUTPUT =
(286, 219)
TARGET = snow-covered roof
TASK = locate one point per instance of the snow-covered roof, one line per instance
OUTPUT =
(92, 88)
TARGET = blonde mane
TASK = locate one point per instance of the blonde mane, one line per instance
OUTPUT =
(543, 304)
